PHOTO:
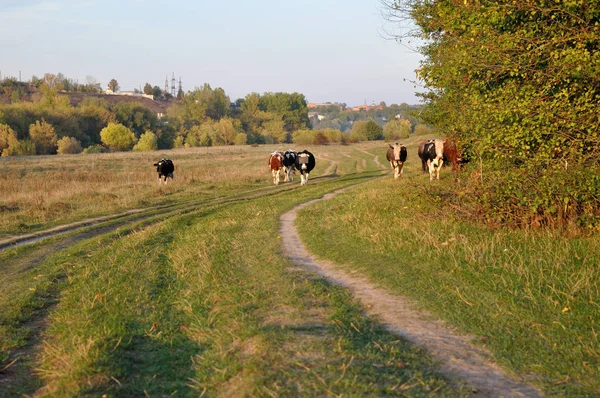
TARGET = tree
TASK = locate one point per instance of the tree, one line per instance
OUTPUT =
(42, 134)
(366, 130)
(157, 92)
(117, 137)
(113, 86)
(147, 142)
(148, 89)
(396, 129)
(7, 137)
(69, 145)
(135, 116)
(92, 86)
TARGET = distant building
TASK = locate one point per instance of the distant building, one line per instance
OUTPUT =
(128, 93)
(311, 105)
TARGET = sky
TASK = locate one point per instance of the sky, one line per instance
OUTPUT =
(328, 50)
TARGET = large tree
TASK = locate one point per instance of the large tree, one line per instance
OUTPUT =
(113, 85)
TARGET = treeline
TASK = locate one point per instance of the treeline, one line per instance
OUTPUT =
(42, 121)
(518, 84)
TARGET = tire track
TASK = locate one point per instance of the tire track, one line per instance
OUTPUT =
(460, 358)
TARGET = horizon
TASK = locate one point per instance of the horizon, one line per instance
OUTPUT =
(329, 51)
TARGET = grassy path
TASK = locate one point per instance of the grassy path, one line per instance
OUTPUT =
(199, 301)
(461, 359)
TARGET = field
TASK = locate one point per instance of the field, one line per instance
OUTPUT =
(185, 290)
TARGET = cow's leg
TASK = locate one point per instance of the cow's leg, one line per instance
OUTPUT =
(273, 174)
(431, 169)
(159, 180)
(396, 170)
(306, 179)
(401, 166)
(302, 182)
(286, 174)
(277, 177)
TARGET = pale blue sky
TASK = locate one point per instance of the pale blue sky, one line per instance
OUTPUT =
(329, 50)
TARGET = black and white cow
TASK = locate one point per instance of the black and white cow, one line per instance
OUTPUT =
(289, 164)
(432, 155)
(305, 162)
(396, 155)
(165, 168)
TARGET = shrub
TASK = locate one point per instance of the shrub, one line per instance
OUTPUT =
(19, 148)
(69, 145)
(117, 137)
(95, 149)
(42, 134)
(147, 142)
(7, 136)
(396, 129)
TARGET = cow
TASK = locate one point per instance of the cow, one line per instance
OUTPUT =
(289, 165)
(396, 155)
(432, 155)
(165, 168)
(452, 155)
(276, 164)
(305, 162)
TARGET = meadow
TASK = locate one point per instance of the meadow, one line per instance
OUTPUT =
(191, 295)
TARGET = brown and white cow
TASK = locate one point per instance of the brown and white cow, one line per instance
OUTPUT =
(396, 155)
(432, 155)
(276, 164)
(453, 155)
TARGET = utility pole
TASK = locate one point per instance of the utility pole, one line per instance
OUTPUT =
(173, 93)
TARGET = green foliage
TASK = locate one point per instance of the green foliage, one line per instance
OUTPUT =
(396, 129)
(69, 145)
(147, 142)
(200, 136)
(96, 148)
(364, 130)
(117, 137)
(274, 132)
(290, 108)
(517, 81)
(113, 85)
(317, 137)
(44, 137)
(135, 117)
(148, 89)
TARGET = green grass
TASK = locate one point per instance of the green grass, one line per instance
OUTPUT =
(532, 298)
(200, 302)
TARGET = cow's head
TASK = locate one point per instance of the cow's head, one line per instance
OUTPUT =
(397, 150)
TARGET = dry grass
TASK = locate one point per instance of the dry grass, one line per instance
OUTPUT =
(42, 191)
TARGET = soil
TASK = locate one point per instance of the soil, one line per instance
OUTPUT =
(461, 360)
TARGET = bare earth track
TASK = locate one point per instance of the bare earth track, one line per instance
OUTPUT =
(460, 358)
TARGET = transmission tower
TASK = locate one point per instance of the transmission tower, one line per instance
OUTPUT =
(166, 84)
(173, 92)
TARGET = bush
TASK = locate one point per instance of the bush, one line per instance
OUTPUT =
(20, 148)
(117, 137)
(147, 142)
(551, 196)
(42, 134)
(95, 149)
(396, 129)
(69, 145)
(7, 136)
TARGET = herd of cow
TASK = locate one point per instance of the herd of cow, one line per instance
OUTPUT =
(433, 153)
(290, 161)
